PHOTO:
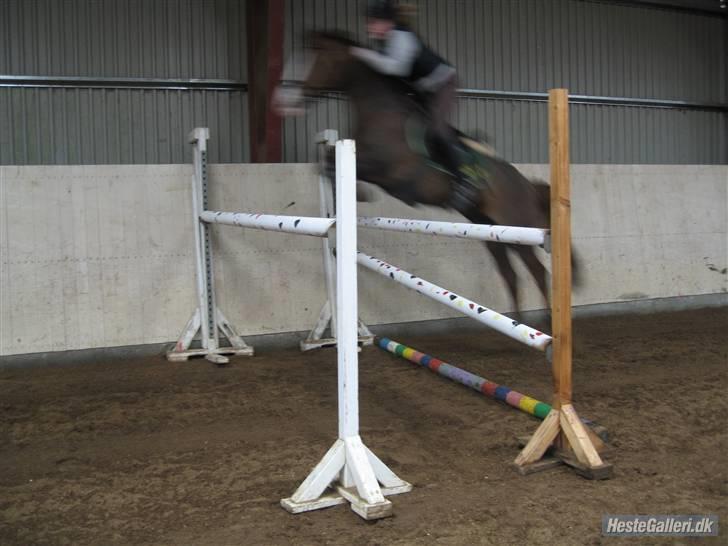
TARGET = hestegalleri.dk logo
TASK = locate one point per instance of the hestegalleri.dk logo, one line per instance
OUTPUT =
(679, 525)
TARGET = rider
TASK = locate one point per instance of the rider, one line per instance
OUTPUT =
(403, 54)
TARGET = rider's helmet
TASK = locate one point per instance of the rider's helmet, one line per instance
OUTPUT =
(381, 9)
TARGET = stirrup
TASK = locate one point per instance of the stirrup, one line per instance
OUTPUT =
(464, 195)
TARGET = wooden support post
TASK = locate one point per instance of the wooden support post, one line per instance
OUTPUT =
(562, 431)
(265, 62)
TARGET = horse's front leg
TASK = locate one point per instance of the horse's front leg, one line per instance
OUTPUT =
(365, 175)
(505, 268)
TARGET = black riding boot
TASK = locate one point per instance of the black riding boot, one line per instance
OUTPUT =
(465, 193)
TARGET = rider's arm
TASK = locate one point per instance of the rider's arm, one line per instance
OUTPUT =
(399, 54)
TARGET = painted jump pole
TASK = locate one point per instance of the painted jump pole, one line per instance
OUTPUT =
(500, 392)
(299, 225)
(479, 232)
(501, 323)
(561, 431)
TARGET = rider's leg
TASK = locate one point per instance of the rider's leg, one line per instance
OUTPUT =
(442, 105)
(465, 194)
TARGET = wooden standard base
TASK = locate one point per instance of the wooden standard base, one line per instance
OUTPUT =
(563, 439)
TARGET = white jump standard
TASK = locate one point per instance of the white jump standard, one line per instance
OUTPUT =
(349, 469)
(349, 472)
(206, 318)
(327, 317)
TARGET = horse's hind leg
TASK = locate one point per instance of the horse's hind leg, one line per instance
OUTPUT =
(500, 255)
(536, 268)
(539, 274)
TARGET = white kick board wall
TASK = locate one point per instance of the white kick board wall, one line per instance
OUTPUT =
(101, 256)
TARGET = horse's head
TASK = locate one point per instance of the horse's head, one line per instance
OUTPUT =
(325, 67)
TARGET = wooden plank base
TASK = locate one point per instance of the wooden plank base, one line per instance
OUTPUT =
(218, 356)
(563, 439)
(554, 458)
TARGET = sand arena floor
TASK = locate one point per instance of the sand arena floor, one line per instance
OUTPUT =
(149, 452)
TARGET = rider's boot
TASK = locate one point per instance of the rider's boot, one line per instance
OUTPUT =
(465, 191)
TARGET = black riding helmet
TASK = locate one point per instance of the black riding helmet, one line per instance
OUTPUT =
(381, 9)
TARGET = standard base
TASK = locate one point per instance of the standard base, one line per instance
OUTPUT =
(554, 458)
(182, 350)
(309, 344)
(562, 438)
(349, 472)
(217, 356)
(315, 339)
(604, 471)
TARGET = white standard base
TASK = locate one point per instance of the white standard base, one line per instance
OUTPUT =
(351, 473)
(316, 341)
(309, 344)
(182, 350)
(216, 356)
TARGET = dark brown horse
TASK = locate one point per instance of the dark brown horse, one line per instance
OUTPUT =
(390, 136)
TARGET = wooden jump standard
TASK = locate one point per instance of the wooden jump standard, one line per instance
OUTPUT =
(561, 431)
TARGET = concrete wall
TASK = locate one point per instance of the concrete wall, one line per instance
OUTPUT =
(101, 256)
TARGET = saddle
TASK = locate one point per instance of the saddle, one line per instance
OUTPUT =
(468, 156)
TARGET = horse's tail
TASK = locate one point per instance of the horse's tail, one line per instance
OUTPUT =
(543, 196)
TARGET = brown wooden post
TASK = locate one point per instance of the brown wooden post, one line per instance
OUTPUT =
(560, 244)
(562, 432)
(265, 62)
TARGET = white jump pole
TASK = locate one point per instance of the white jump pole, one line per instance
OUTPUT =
(299, 225)
(481, 232)
(349, 468)
(511, 328)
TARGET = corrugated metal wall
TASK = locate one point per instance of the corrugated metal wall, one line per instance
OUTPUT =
(592, 48)
(150, 39)
(118, 126)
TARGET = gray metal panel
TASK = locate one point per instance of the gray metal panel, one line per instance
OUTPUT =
(592, 48)
(601, 134)
(160, 39)
(124, 38)
(512, 45)
(519, 131)
(118, 126)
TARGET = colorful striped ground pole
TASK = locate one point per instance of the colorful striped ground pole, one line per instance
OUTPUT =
(494, 390)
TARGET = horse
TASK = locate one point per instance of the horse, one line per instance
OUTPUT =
(391, 134)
